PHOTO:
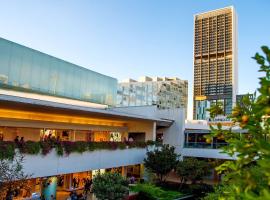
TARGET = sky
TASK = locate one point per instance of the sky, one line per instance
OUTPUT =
(132, 38)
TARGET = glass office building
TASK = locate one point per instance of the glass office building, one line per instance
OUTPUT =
(25, 69)
(215, 61)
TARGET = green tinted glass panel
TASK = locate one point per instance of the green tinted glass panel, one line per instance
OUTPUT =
(22, 68)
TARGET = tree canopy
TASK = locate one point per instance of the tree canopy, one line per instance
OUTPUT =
(215, 110)
(110, 186)
(192, 169)
(12, 176)
(161, 161)
(249, 176)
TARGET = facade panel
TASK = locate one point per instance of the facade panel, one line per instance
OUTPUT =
(25, 69)
(165, 93)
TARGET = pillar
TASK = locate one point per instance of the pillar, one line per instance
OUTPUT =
(124, 171)
(154, 131)
(49, 187)
(74, 136)
(142, 174)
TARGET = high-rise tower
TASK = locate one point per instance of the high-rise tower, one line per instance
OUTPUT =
(215, 60)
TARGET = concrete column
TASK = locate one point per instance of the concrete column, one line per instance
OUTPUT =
(49, 187)
(142, 170)
(154, 131)
(74, 136)
(196, 139)
(187, 138)
(124, 171)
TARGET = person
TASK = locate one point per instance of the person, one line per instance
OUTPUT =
(1, 137)
(130, 139)
(85, 188)
(132, 180)
(74, 196)
(16, 192)
(111, 139)
(16, 140)
(80, 196)
(9, 195)
(78, 182)
(74, 182)
(22, 140)
(90, 185)
(49, 137)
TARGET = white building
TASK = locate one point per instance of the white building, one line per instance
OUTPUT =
(65, 112)
(165, 93)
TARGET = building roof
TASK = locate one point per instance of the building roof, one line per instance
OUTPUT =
(16, 102)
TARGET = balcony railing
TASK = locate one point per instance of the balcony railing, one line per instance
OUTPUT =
(8, 148)
(204, 145)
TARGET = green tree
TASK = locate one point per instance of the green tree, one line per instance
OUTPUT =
(215, 109)
(110, 186)
(161, 161)
(249, 176)
(192, 169)
(12, 176)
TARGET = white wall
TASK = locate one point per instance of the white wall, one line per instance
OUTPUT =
(173, 135)
(52, 164)
(206, 153)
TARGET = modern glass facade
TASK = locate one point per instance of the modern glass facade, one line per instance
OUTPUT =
(215, 59)
(165, 93)
(25, 69)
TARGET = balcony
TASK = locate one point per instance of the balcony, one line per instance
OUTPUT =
(205, 145)
(196, 145)
(206, 153)
(54, 158)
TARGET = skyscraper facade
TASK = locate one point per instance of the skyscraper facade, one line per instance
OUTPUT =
(164, 92)
(215, 61)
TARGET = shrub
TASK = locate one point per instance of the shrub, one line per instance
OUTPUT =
(151, 192)
(110, 186)
(7, 150)
(30, 147)
(46, 147)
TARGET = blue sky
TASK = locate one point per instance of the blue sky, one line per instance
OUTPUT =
(131, 38)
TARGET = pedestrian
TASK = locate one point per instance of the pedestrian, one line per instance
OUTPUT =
(16, 140)
(85, 189)
(74, 196)
(74, 182)
(130, 139)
